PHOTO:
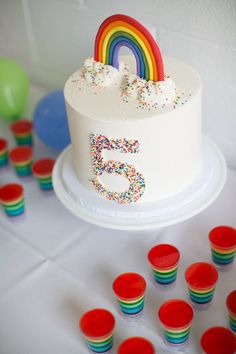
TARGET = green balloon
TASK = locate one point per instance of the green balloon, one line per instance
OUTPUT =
(14, 87)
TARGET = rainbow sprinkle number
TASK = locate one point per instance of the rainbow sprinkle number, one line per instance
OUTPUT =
(137, 183)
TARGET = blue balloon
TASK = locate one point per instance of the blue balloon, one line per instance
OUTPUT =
(50, 121)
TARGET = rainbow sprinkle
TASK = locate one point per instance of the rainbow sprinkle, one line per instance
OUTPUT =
(137, 183)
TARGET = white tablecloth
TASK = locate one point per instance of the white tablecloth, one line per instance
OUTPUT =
(53, 267)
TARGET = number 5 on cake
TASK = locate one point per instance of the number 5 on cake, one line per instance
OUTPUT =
(100, 166)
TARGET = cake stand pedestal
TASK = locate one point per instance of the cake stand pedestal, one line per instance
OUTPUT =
(149, 216)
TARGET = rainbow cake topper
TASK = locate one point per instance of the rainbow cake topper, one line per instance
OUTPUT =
(121, 30)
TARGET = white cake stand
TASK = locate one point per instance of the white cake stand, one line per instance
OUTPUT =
(149, 216)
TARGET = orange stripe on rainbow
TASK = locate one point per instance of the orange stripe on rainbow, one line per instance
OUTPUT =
(122, 30)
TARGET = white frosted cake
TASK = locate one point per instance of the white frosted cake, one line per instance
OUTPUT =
(134, 139)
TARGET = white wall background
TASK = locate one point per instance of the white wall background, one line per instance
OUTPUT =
(50, 38)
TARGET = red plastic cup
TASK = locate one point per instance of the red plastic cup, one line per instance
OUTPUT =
(231, 306)
(201, 279)
(164, 260)
(176, 317)
(97, 326)
(223, 246)
(129, 289)
(218, 340)
(136, 345)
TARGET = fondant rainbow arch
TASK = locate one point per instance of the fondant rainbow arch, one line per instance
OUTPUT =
(121, 30)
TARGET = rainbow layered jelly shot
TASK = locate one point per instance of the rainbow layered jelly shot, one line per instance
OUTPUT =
(97, 326)
(231, 306)
(164, 260)
(129, 289)
(12, 199)
(223, 246)
(136, 345)
(42, 170)
(201, 279)
(176, 317)
(21, 158)
(23, 132)
(218, 340)
(3, 153)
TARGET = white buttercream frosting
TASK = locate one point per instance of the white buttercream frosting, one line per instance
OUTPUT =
(149, 93)
(98, 73)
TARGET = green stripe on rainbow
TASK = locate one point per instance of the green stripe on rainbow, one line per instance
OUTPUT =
(121, 30)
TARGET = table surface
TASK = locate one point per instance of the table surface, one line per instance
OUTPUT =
(54, 266)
